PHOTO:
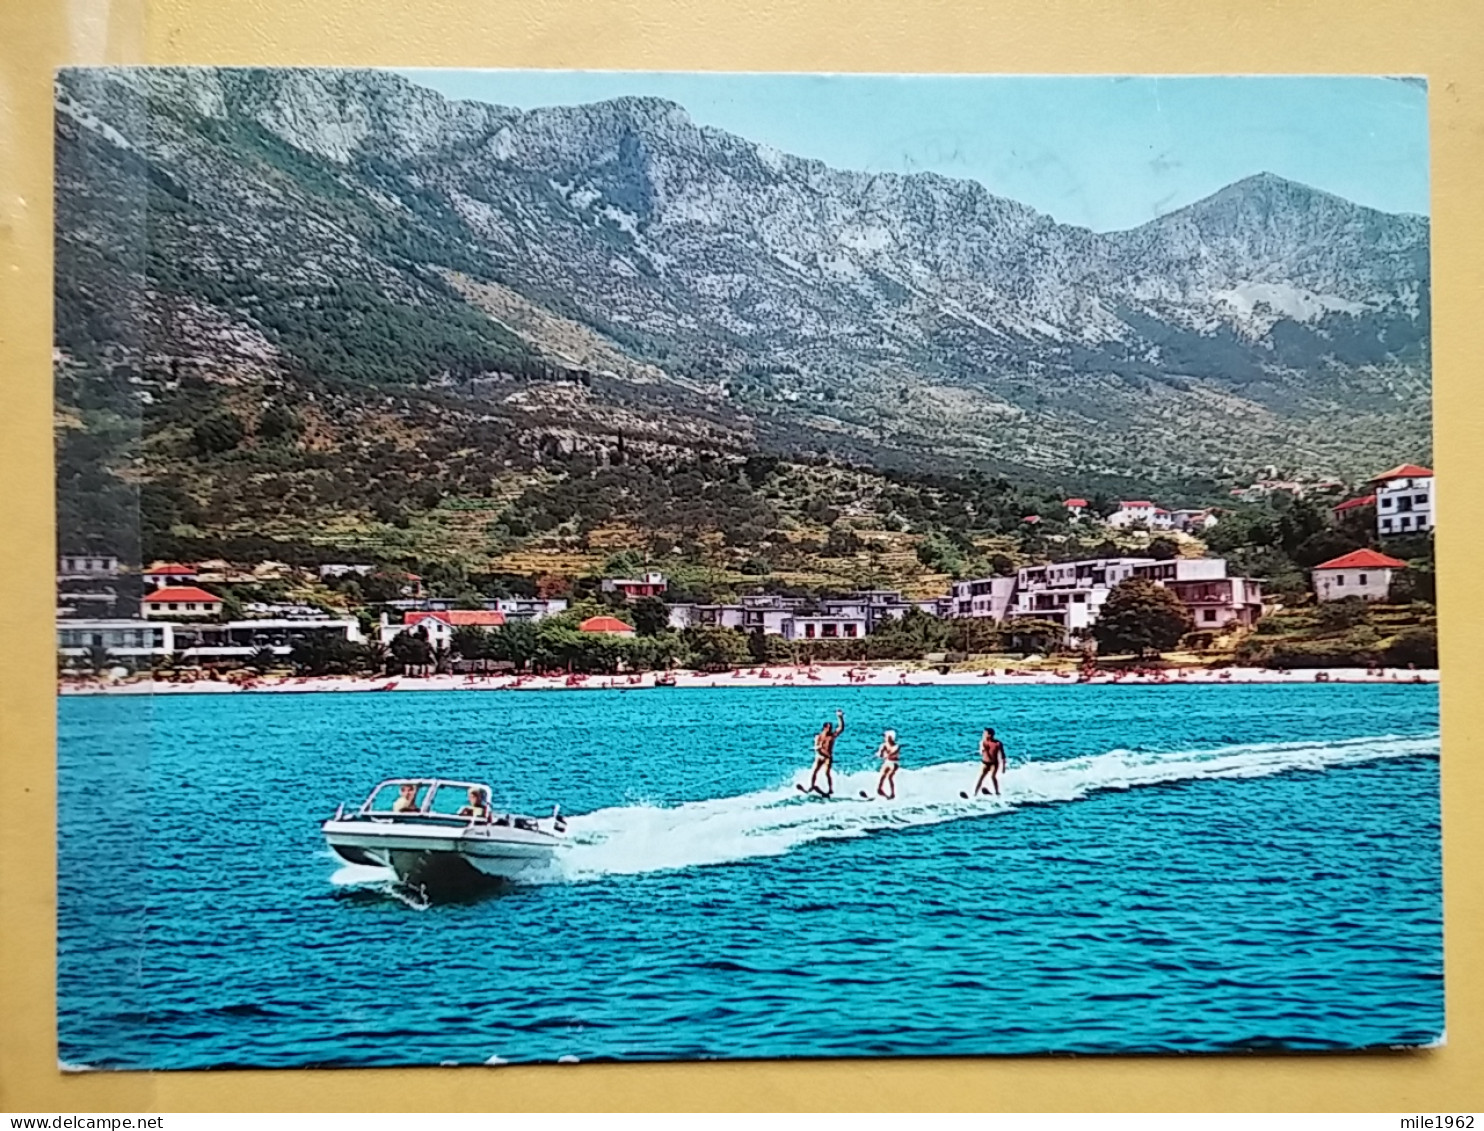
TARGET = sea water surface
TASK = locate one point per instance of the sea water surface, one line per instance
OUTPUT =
(1169, 869)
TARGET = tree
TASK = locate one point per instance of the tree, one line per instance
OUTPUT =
(1164, 549)
(411, 650)
(1337, 616)
(263, 660)
(469, 642)
(278, 421)
(713, 649)
(219, 432)
(1032, 636)
(1414, 646)
(650, 615)
(1141, 617)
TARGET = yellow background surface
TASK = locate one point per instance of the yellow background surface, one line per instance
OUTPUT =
(1444, 41)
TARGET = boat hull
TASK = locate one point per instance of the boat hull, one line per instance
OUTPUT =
(460, 858)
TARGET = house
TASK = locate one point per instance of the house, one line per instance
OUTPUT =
(1069, 593)
(1132, 511)
(1361, 573)
(1352, 507)
(173, 601)
(282, 610)
(122, 638)
(162, 574)
(873, 605)
(87, 567)
(986, 597)
(1075, 507)
(243, 639)
(651, 584)
(769, 613)
(527, 608)
(439, 625)
(829, 626)
(1192, 521)
(333, 570)
(1215, 601)
(1404, 500)
(610, 626)
(692, 615)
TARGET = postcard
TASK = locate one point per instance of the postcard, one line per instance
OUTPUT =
(581, 566)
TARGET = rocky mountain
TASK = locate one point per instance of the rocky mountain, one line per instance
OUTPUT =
(350, 226)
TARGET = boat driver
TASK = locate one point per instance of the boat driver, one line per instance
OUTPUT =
(478, 807)
(407, 801)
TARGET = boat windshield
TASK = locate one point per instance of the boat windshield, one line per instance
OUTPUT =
(458, 798)
(388, 797)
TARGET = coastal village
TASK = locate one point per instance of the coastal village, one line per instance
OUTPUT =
(185, 618)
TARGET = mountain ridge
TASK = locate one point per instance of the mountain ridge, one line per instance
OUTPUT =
(906, 316)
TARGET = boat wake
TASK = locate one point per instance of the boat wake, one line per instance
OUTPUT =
(633, 839)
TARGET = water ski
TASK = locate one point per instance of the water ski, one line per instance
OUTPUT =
(865, 796)
(806, 789)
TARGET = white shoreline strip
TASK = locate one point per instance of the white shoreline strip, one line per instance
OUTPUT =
(778, 677)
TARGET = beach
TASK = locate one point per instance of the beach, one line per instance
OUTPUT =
(820, 675)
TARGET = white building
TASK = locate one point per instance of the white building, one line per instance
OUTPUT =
(1073, 593)
(828, 626)
(1404, 500)
(1192, 521)
(1215, 600)
(175, 601)
(769, 613)
(1134, 511)
(1361, 573)
(87, 567)
(124, 639)
(240, 639)
(439, 625)
(527, 608)
(693, 615)
(986, 597)
(650, 584)
(163, 574)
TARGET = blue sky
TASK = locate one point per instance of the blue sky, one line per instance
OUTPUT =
(1104, 153)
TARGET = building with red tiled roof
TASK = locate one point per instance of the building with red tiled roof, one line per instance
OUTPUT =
(170, 573)
(610, 625)
(1361, 573)
(457, 618)
(1349, 505)
(1075, 504)
(1403, 471)
(1404, 501)
(438, 625)
(170, 601)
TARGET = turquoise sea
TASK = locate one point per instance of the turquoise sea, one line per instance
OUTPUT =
(1195, 869)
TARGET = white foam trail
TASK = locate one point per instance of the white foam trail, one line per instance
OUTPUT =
(628, 840)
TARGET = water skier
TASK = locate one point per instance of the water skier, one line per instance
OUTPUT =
(824, 757)
(891, 759)
(992, 762)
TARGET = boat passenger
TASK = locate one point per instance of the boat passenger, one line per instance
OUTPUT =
(407, 801)
(478, 806)
(992, 762)
(891, 758)
(824, 755)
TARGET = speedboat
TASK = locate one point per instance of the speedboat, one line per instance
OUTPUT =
(440, 834)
